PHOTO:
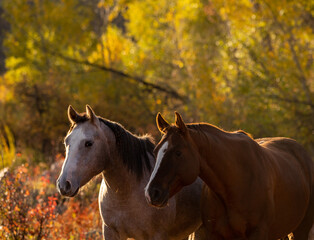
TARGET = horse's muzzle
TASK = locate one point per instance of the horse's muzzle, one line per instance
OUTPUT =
(157, 197)
(65, 188)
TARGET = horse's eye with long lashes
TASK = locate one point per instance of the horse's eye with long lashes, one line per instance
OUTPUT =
(88, 143)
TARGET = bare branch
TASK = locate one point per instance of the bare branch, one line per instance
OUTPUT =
(169, 91)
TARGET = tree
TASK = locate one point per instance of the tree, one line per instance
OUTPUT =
(244, 64)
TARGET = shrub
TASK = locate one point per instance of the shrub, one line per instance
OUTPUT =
(25, 212)
(31, 208)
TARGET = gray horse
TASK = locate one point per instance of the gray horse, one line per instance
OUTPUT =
(95, 145)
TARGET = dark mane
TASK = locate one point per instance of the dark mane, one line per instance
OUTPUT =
(132, 149)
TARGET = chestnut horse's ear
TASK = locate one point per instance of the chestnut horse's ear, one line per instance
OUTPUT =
(162, 124)
(72, 114)
(179, 123)
(90, 113)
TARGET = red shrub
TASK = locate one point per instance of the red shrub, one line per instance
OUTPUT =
(25, 210)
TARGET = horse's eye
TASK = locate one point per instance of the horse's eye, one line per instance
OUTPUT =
(88, 143)
(178, 153)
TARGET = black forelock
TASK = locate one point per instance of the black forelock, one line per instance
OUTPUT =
(79, 118)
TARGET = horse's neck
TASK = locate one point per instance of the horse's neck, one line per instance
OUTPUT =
(121, 183)
(221, 157)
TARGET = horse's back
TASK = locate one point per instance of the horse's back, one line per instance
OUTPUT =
(294, 181)
(288, 151)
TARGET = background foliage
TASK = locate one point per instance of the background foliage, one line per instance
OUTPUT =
(238, 64)
(245, 64)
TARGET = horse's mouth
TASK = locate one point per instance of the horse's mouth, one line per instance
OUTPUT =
(75, 193)
(64, 194)
(158, 200)
(161, 202)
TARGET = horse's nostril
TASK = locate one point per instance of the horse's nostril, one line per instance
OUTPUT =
(67, 186)
(155, 193)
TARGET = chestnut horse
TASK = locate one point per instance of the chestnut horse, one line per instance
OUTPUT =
(96, 145)
(255, 189)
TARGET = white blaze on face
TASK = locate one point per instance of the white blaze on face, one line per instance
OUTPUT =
(66, 157)
(72, 150)
(76, 136)
(160, 156)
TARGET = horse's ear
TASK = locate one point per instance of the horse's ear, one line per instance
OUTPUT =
(162, 124)
(72, 114)
(179, 123)
(90, 114)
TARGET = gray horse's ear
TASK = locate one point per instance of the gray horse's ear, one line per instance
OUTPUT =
(162, 124)
(179, 122)
(72, 114)
(90, 114)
